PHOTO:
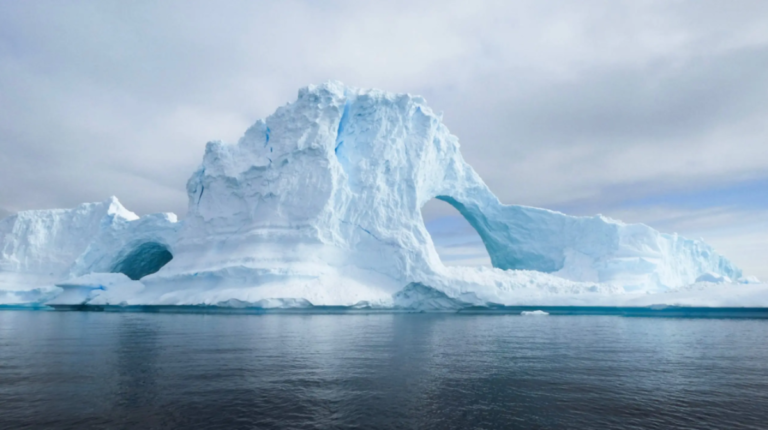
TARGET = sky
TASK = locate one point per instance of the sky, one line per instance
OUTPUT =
(645, 111)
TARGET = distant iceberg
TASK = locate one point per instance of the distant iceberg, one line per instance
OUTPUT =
(320, 205)
(534, 313)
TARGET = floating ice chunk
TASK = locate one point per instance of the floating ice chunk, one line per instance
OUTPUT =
(533, 313)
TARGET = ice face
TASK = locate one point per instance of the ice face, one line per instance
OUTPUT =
(320, 203)
(45, 247)
(45, 243)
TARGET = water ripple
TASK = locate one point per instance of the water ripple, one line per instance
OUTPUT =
(71, 370)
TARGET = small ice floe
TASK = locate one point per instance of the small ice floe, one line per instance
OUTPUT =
(533, 313)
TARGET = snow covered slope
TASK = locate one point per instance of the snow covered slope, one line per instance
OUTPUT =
(320, 203)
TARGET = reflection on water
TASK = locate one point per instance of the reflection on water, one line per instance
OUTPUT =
(104, 370)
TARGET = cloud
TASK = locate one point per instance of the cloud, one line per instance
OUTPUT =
(690, 126)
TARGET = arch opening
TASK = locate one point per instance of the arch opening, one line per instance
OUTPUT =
(145, 259)
(457, 242)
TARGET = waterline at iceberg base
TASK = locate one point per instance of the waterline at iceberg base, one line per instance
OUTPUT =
(319, 205)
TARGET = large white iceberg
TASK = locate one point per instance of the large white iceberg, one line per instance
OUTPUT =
(320, 205)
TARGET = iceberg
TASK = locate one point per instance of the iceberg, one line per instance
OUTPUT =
(536, 313)
(320, 204)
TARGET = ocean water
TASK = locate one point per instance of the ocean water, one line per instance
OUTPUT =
(83, 370)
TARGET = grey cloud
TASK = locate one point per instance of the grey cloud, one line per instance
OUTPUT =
(649, 104)
(617, 135)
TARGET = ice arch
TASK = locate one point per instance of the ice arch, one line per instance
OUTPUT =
(331, 185)
(516, 237)
(145, 259)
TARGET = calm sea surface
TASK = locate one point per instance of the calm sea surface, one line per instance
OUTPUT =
(81, 370)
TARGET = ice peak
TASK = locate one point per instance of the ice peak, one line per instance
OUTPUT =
(114, 207)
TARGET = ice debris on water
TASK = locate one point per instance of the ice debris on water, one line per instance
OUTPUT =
(534, 313)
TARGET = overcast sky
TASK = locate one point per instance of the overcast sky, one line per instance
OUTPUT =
(647, 111)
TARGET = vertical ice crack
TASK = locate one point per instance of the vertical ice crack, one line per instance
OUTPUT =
(202, 190)
(340, 130)
(202, 186)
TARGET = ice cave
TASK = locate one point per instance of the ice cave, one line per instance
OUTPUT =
(144, 259)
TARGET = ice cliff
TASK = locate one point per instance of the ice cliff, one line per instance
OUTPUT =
(320, 204)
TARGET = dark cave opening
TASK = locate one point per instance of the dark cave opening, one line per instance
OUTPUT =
(144, 260)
